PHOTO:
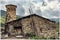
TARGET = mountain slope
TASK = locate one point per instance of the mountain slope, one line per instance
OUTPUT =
(3, 13)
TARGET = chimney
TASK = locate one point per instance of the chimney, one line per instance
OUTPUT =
(11, 12)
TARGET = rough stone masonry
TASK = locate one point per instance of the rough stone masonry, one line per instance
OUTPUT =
(31, 24)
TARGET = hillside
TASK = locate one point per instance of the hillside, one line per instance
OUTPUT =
(3, 13)
(2, 20)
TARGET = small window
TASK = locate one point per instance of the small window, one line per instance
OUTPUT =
(19, 27)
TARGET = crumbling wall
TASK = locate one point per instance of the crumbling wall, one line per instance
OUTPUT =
(42, 27)
(45, 28)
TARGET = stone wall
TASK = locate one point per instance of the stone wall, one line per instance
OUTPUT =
(42, 27)
(45, 28)
(10, 28)
(26, 24)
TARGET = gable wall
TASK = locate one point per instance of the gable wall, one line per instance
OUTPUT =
(26, 23)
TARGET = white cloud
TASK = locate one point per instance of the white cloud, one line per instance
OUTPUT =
(50, 10)
(53, 5)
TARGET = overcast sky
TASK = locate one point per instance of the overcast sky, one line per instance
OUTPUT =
(50, 8)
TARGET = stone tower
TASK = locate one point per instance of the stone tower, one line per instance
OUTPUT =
(11, 12)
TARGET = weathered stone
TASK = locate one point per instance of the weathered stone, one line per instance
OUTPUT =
(29, 24)
(11, 13)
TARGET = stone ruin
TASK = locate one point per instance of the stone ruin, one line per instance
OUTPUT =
(31, 24)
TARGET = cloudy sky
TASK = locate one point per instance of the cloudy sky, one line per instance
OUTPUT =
(45, 8)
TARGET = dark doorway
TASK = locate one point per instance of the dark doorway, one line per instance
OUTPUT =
(18, 30)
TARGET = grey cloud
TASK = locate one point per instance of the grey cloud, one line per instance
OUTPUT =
(58, 0)
(20, 10)
(55, 13)
(52, 13)
(36, 1)
(50, 0)
(38, 11)
(2, 2)
(46, 14)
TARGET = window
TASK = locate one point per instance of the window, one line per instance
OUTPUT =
(18, 27)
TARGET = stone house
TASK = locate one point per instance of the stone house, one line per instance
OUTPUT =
(33, 23)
